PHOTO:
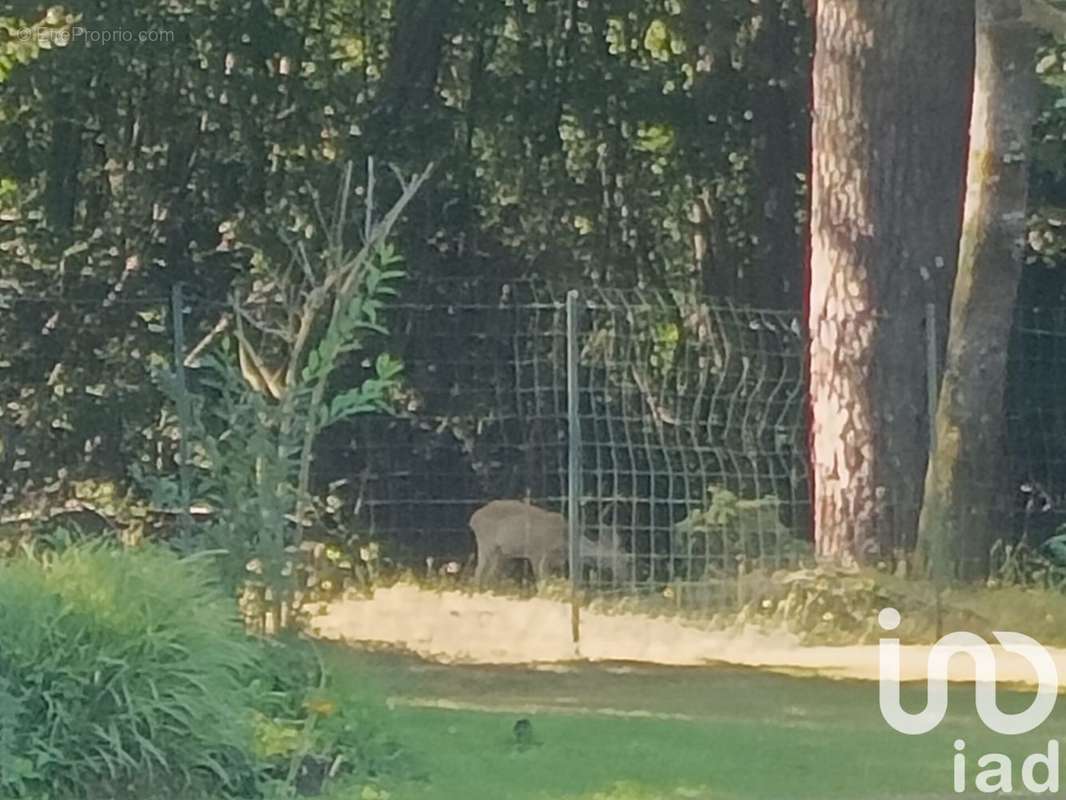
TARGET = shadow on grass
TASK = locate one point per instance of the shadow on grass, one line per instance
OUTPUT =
(636, 732)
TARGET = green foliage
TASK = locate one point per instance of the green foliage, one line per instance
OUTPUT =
(346, 333)
(647, 106)
(23, 40)
(720, 512)
(126, 674)
(122, 674)
(217, 149)
(729, 533)
(610, 143)
(267, 393)
(246, 455)
(1020, 564)
(633, 791)
(1047, 221)
(570, 143)
(325, 724)
(15, 46)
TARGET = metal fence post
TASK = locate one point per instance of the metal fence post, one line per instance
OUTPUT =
(932, 383)
(573, 488)
(932, 370)
(177, 311)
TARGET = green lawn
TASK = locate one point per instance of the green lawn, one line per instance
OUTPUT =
(711, 732)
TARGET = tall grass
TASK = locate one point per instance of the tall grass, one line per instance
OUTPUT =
(122, 674)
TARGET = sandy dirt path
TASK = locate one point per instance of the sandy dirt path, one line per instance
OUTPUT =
(452, 626)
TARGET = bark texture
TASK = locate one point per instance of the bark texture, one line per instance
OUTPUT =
(959, 518)
(892, 82)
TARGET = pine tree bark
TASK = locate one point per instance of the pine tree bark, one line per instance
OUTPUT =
(892, 93)
(959, 520)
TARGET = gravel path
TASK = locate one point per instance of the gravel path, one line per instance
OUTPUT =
(453, 626)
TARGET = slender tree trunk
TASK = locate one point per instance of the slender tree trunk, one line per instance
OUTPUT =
(891, 106)
(414, 57)
(958, 521)
(781, 129)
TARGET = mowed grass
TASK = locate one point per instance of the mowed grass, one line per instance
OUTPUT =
(626, 732)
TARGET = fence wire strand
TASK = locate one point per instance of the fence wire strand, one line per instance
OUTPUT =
(694, 443)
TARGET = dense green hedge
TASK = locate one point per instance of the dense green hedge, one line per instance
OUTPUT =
(125, 673)
(121, 674)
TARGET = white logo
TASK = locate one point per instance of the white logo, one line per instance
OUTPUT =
(984, 660)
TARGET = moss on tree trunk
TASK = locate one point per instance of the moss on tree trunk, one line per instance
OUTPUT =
(960, 518)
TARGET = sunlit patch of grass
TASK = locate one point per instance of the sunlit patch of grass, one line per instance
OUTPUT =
(634, 791)
(703, 733)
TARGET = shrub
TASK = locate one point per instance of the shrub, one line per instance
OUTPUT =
(317, 726)
(251, 431)
(728, 532)
(122, 674)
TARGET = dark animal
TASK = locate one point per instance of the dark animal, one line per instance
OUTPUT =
(523, 733)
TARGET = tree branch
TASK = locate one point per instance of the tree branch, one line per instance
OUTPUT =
(194, 354)
(253, 367)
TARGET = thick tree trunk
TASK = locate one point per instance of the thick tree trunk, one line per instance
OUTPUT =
(959, 520)
(891, 107)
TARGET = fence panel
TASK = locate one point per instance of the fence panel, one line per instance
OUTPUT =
(693, 448)
(694, 437)
(691, 414)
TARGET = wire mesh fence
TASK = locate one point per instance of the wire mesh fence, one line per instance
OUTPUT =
(1036, 422)
(689, 439)
(691, 448)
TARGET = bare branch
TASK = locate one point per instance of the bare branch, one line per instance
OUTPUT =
(379, 233)
(259, 294)
(307, 316)
(368, 224)
(253, 368)
(266, 328)
(322, 221)
(305, 263)
(194, 354)
(342, 209)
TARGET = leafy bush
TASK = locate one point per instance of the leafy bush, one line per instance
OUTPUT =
(729, 531)
(833, 605)
(122, 674)
(251, 428)
(1024, 565)
(127, 674)
(318, 726)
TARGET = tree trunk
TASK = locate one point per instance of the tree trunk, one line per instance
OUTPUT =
(891, 105)
(958, 521)
(781, 129)
(410, 79)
